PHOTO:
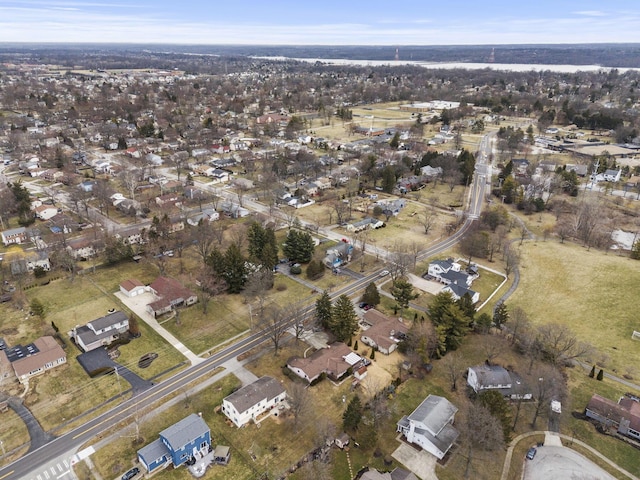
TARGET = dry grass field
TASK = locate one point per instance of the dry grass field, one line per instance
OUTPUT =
(593, 293)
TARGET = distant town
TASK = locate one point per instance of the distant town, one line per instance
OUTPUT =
(233, 264)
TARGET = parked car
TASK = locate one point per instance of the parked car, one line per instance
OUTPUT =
(384, 273)
(131, 473)
(531, 453)
(362, 304)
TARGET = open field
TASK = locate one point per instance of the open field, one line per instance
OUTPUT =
(593, 293)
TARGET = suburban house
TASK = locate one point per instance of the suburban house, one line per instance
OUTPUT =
(185, 442)
(29, 262)
(84, 247)
(371, 223)
(14, 235)
(334, 361)
(45, 212)
(392, 207)
(169, 294)
(206, 215)
(34, 359)
(430, 426)
(495, 377)
(250, 401)
(132, 287)
(624, 415)
(169, 200)
(338, 255)
(396, 474)
(431, 172)
(234, 210)
(100, 332)
(457, 282)
(612, 175)
(132, 235)
(385, 334)
(520, 166)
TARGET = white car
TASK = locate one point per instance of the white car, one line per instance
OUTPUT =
(384, 273)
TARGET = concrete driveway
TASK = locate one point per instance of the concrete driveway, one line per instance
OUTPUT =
(429, 286)
(561, 463)
(421, 463)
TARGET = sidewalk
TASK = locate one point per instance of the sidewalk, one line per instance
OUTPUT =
(139, 309)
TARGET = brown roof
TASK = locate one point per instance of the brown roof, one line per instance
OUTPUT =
(373, 316)
(384, 329)
(626, 408)
(169, 290)
(130, 284)
(49, 352)
(329, 360)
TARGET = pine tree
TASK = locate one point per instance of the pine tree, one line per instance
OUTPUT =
(352, 415)
(466, 305)
(500, 315)
(592, 373)
(402, 291)
(234, 272)
(373, 354)
(355, 346)
(600, 375)
(323, 310)
(371, 295)
(344, 321)
(298, 246)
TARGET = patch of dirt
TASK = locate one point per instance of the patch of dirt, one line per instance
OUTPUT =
(64, 398)
(9, 331)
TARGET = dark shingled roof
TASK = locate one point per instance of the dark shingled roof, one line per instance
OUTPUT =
(183, 432)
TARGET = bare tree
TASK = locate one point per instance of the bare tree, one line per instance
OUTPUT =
(203, 238)
(299, 401)
(428, 218)
(517, 323)
(480, 431)
(130, 181)
(454, 366)
(210, 285)
(399, 261)
(587, 219)
(295, 313)
(559, 343)
(511, 259)
(257, 287)
(274, 324)
(549, 385)
(491, 348)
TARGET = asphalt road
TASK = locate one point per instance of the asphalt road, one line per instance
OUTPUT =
(35, 460)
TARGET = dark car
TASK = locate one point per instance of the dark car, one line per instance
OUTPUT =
(531, 453)
(131, 473)
(362, 304)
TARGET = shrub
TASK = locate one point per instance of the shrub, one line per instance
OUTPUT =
(600, 374)
(592, 373)
(373, 354)
(295, 270)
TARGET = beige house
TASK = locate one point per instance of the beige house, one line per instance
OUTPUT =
(34, 359)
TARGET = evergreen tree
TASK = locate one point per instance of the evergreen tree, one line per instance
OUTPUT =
(371, 295)
(388, 179)
(257, 240)
(466, 305)
(483, 323)
(592, 373)
(344, 321)
(600, 375)
(355, 346)
(230, 266)
(315, 269)
(395, 141)
(500, 315)
(451, 323)
(467, 166)
(352, 415)
(635, 252)
(298, 246)
(373, 354)
(402, 291)
(323, 310)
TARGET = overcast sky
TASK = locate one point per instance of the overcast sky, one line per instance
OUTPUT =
(321, 22)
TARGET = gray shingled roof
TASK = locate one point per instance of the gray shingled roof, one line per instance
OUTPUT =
(154, 451)
(434, 412)
(183, 432)
(489, 375)
(263, 388)
(108, 320)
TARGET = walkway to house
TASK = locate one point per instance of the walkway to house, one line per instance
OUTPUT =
(138, 306)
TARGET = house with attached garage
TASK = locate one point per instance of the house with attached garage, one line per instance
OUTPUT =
(334, 361)
(624, 415)
(385, 334)
(457, 282)
(132, 287)
(100, 332)
(251, 401)
(169, 294)
(33, 359)
(183, 443)
(430, 426)
(494, 377)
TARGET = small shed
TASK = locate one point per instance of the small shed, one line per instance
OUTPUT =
(221, 455)
(342, 440)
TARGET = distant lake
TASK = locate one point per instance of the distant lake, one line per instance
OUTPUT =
(513, 67)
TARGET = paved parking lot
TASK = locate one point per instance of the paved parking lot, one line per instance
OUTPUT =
(561, 463)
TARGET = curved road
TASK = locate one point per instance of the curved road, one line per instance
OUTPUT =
(99, 425)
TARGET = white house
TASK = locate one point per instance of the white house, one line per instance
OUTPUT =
(101, 331)
(495, 377)
(612, 175)
(250, 401)
(206, 215)
(430, 426)
(459, 291)
(45, 212)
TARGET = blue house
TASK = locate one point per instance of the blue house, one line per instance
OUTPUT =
(182, 443)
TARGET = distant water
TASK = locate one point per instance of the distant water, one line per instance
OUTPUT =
(513, 67)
